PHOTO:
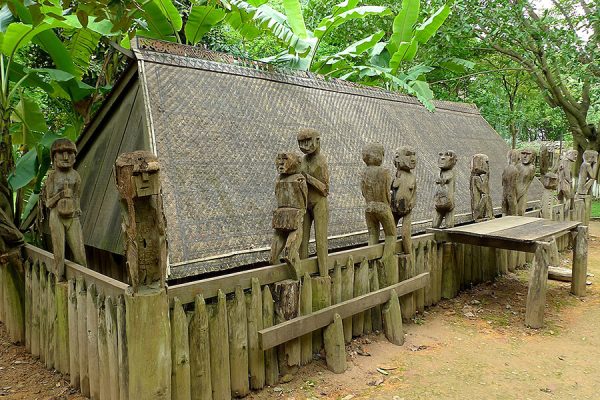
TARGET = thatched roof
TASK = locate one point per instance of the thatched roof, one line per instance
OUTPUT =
(216, 128)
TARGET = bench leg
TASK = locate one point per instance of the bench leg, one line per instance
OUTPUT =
(580, 250)
(536, 296)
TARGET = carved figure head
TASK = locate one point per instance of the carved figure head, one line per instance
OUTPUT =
(480, 164)
(513, 156)
(571, 155)
(288, 163)
(549, 180)
(405, 158)
(137, 174)
(309, 140)
(446, 160)
(590, 156)
(372, 154)
(62, 153)
(528, 156)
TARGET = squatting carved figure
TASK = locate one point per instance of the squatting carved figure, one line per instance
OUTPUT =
(481, 201)
(587, 172)
(61, 195)
(509, 183)
(404, 193)
(291, 192)
(526, 168)
(315, 170)
(137, 176)
(444, 195)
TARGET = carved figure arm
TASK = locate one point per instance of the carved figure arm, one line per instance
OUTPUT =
(321, 185)
(304, 189)
(77, 193)
(51, 196)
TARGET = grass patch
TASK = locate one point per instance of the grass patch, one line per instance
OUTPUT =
(596, 209)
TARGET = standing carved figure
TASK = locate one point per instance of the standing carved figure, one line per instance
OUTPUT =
(137, 176)
(526, 170)
(481, 201)
(62, 193)
(291, 192)
(314, 168)
(587, 172)
(565, 180)
(444, 195)
(375, 187)
(549, 180)
(509, 183)
(404, 193)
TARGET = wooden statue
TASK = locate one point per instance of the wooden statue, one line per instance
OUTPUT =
(61, 196)
(509, 183)
(526, 170)
(314, 168)
(587, 172)
(481, 201)
(444, 195)
(11, 238)
(375, 187)
(565, 180)
(549, 180)
(404, 193)
(291, 192)
(137, 176)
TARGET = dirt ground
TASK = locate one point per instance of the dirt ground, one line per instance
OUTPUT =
(474, 346)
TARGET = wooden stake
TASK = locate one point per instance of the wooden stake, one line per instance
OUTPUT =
(27, 299)
(51, 320)
(335, 349)
(112, 348)
(74, 370)
(321, 291)
(287, 306)
(256, 357)
(201, 387)
(419, 269)
(448, 271)
(305, 309)
(438, 274)
(43, 314)
(180, 353)
(271, 365)
(238, 344)
(336, 284)
(468, 278)
(580, 261)
(376, 322)
(459, 262)
(408, 304)
(62, 327)
(392, 320)
(361, 286)
(477, 265)
(536, 295)
(219, 350)
(104, 367)
(82, 337)
(35, 309)
(122, 349)
(92, 342)
(347, 294)
(427, 268)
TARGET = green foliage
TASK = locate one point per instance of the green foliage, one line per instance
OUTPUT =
(200, 21)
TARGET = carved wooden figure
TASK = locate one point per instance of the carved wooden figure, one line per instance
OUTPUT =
(404, 192)
(509, 183)
(444, 195)
(481, 201)
(61, 196)
(526, 168)
(587, 172)
(137, 175)
(549, 180)
(314, 168)
(565, 188)
(291, 192)
(375, 187)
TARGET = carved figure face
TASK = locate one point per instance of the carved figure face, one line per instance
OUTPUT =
(372, 154)
(287, 163)
(590, 156)
(146, 183)
(63, 159)
(513, 156)
(527, 156)
(480, 164)
(309, 140)
(405, 158)
(447, 160)
(571, 155)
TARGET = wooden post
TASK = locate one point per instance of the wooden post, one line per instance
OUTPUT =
(219, 350)
(361, 286)
(35, 309)
(238, 344)
(180, 354)
(92, 342)
(74, 371)
(406, 271)
(376, 322)
(336, 284)
(62, 327)
(486, 268)
(438, 274)
(448, 271)
(287, 306)
(122, 349)
(427, 268)
(321, 291)
(200, 365)
(459, 263)
(27, 300)
(512, 260)
(51, 322)
(392, 320)
(503, 261)
(103, 366)
(476, 265)
(112, 348)
(580, 260)
(492, 265)
(347, 294)
(305, 309)
(536, 295)
(43, 313)
(256, 357)
(468, 279)
(587, 207)
(13, 283)
(335, 349)
(419, 269)
(271, 365)
(82, 337)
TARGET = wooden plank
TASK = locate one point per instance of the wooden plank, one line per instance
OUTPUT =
(267, 275)
(494, 225)
(296, 327)
(105, 284)
(499, 243)
(536, 231)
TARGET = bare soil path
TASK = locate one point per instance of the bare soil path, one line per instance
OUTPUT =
(474, 346)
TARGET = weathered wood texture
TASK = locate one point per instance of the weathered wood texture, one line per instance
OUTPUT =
(335, 348)
(256, 357)
(271, 364)
(306, 308)
(392, 319)
(199, 342)
(238, 344)
(536, 295)
(219, 350)
(580, 260)
(180, 354)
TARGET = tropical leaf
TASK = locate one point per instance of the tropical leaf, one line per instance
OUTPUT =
(200, 21)
(293, 11)
(6, 18)
(287, 60)
(242, 23)
(65, 85)
(424, 94)
(404, 23)
(18, 35)
(81, 46)
(334, 21)
(457, 65)
(162, 18)
(29, 121)
(427, 29)
(406, 52)
(25, 170)
(356, 49)
(343, 6)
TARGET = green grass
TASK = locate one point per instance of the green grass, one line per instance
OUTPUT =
(596, 209)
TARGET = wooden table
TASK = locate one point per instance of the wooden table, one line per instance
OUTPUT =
(532, 235)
